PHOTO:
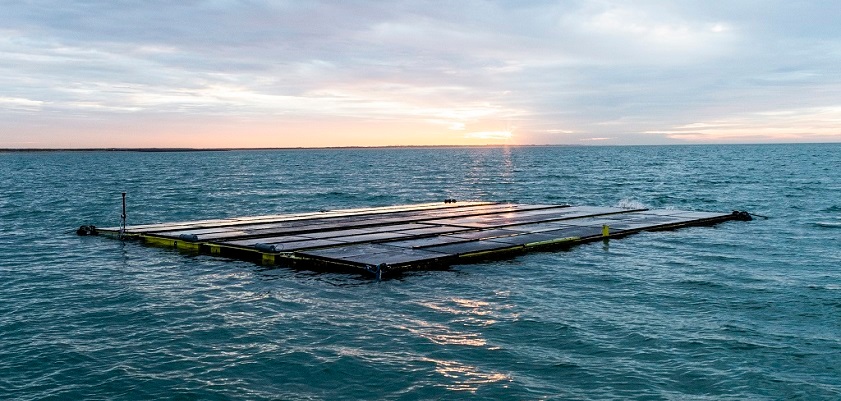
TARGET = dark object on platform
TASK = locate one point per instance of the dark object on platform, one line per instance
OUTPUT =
(741, 216)
(87, 230)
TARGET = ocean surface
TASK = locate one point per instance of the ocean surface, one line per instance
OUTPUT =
(738, 311)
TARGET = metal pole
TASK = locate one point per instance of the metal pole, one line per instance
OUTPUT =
(123, 218)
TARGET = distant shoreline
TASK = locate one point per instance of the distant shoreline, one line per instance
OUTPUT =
(279, 148)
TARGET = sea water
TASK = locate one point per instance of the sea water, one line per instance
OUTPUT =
(738, 311)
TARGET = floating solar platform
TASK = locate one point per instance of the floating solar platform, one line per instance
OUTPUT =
(383, 240)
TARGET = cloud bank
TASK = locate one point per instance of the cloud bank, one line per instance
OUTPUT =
(254, 73)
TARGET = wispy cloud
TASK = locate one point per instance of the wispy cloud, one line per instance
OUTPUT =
(793, 125)
(490, 135)
(16, 103)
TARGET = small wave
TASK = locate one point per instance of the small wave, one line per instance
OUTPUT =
(827, 224)
(630, 204)
(702, 283)
(830, 287)
(833, 208)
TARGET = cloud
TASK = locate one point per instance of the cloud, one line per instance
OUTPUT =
(16, 103)
(561, 71)
(794, 125)
(490, 135)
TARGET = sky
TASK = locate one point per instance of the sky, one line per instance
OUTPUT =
(287, 73)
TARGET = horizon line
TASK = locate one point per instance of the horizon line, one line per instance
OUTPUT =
(190, 149)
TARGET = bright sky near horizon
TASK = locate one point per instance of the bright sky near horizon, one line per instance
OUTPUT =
(286, 73)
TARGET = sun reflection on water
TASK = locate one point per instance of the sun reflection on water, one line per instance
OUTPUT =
(443, 335)
(465, 377)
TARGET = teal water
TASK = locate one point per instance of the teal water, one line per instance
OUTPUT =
(738, 311)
